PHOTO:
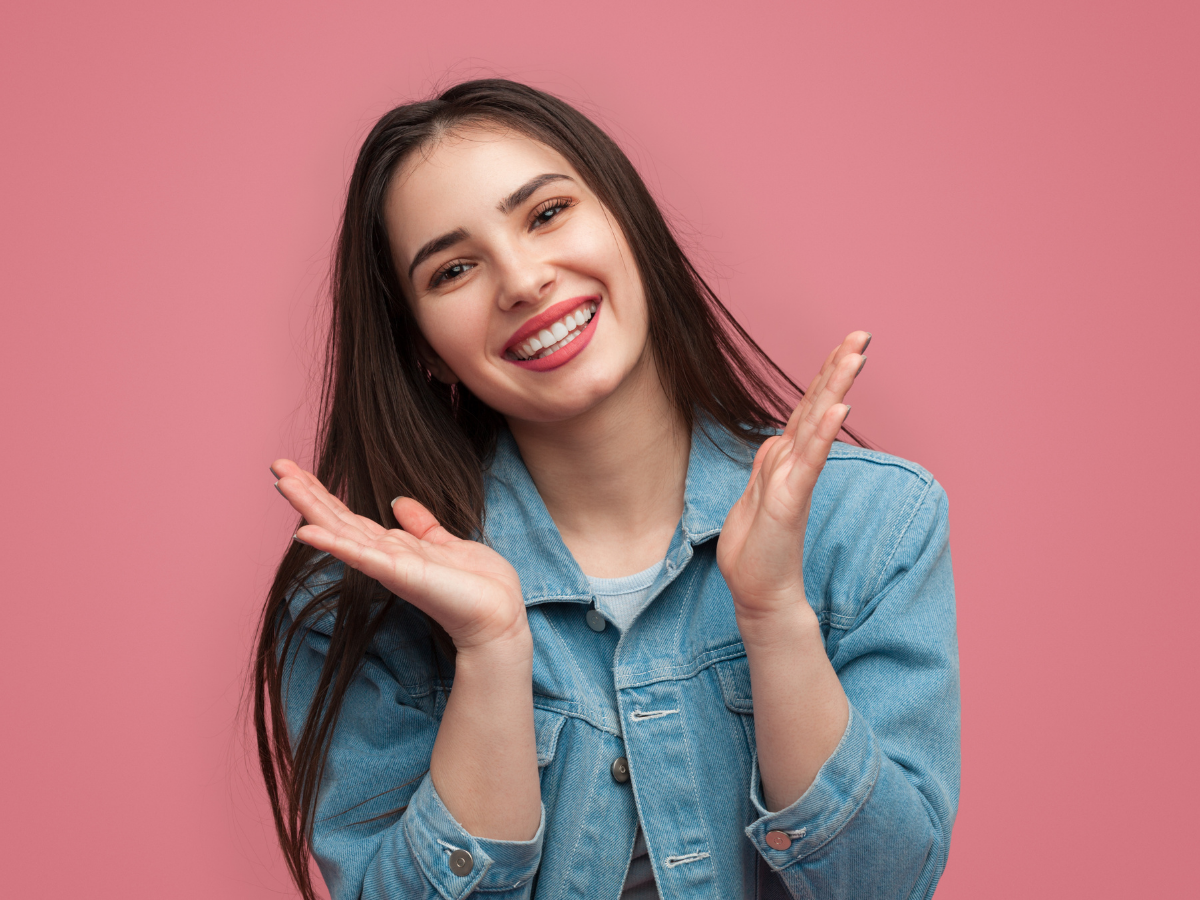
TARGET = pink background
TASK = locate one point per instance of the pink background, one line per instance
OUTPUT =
(1005, 194)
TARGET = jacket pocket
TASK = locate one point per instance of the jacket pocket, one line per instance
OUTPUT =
(546, 727)
(734, 678)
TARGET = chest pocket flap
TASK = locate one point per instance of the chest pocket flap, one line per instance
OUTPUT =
(546, 727)
(734, 677)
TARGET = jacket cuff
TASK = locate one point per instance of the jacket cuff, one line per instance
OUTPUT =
(841, 786)
(433, 834)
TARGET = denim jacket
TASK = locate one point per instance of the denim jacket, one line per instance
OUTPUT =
(672, 695)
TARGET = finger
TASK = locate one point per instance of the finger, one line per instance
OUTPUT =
(812, 456)
(765, 451)
(312, 503)
(286, 467)
(832, 392)
(855, 342)
(415, 519)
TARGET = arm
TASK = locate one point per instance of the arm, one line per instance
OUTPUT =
(484, 762)
(876, 818)
(857, 756)
(481, 792)
(382, 829)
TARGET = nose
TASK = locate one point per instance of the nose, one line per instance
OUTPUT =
(524, 278)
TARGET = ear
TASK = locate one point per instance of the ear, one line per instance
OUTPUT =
(435, 363)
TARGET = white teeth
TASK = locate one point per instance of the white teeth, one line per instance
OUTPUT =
(557, 335)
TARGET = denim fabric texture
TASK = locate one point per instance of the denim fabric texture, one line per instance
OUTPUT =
(672, 694)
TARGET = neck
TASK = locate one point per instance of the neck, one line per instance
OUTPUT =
(612, 478)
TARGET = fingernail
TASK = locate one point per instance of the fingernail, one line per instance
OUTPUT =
(394, 499)
(860, 366)
(296, 538)
(868, 343)
(281, 493)
(272, 471)
(846, 416)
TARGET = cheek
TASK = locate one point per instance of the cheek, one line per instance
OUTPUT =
(597, 248)
(456, 333)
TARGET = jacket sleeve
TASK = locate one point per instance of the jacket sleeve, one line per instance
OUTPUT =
(876, 821)
(381, 832)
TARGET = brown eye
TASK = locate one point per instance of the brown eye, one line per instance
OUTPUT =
(549, 210)
(449, 272)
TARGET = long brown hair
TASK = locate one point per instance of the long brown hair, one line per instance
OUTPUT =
(388, 428)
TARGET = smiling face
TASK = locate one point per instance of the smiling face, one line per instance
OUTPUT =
(522, 284)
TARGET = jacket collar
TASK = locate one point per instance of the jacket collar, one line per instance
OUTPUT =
(518, 526)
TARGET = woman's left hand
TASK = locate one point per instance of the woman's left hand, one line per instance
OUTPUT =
(761, 548)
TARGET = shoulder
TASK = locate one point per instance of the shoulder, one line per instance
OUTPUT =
(874, 517)
(857, 481)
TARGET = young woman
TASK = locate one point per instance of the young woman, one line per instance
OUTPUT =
(631, 626)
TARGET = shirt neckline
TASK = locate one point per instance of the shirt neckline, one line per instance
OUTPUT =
(626, 584)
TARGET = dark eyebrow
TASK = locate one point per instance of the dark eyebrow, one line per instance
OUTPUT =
(525, 191)
(437, 245)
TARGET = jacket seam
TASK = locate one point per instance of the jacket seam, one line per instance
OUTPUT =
(917, 506)
(683, 672)
(861, 454)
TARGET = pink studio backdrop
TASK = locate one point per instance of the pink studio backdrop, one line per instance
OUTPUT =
(1005, 194)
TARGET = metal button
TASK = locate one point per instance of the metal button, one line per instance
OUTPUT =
(461, 862)
(620, 770)
(777, 840)
(595, 621)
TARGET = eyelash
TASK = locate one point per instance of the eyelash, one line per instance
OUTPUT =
(543, 208)
(558, 203)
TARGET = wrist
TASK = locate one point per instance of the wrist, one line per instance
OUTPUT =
(512, 648)
(786, 624)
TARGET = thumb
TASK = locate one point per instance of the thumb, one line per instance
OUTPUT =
(419, 521)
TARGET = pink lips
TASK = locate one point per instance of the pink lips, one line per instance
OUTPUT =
(551, 315)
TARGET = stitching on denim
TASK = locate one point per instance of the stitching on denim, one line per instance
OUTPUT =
(689, 670)
(587, 804)
(578, 711)
(685, 591)
(691, 754)
(917, 505)
(872, 778)
(550, 737)
(672, 861)
(580, 678)
(862, 454)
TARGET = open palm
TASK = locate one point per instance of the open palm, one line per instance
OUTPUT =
(761, 547)
(468, 588)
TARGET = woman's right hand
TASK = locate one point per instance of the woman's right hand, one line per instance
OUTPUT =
(468, 588)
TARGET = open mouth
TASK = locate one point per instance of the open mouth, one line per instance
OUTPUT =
(542, 342)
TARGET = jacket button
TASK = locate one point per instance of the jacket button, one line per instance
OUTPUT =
(461, 862)
(777, 840)
(620, 770)
(595, 621)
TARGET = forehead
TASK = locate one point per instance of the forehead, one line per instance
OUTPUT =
(461, 180)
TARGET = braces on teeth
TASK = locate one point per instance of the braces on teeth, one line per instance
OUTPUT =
(556, 336)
